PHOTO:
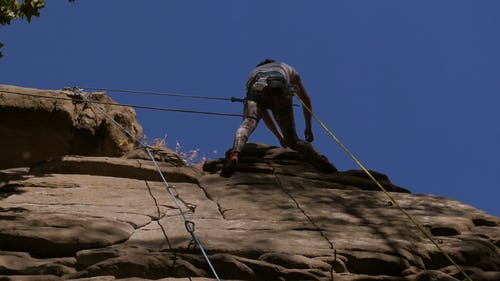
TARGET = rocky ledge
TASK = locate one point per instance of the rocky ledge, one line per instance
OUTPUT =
(276, 218)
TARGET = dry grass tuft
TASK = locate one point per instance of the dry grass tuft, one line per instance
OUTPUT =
(191, 157)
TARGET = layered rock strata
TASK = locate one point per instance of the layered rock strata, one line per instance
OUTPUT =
(275, 219)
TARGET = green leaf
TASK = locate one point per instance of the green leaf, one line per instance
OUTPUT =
(30, 8)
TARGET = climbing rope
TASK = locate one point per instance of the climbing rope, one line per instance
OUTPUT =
(127, 105)
(232, 99)
(110, 90)
(410, 217)
(189, 225)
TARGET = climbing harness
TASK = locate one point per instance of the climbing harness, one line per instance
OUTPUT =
(188, 224)
(391, 198)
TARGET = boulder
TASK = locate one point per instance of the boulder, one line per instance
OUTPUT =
(36, 125)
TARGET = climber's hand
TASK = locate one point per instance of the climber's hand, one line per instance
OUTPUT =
(309, 135)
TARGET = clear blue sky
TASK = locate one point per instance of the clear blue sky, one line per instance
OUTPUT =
(411, 87)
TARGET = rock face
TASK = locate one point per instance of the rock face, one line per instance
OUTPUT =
(96, 217)
(34, 128)
(104, 218)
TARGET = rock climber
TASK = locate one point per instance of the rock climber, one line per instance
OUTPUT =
(270, 86)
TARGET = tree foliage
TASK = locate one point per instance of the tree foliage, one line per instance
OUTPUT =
(12, 9)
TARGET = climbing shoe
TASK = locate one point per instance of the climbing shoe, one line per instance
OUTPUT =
(230, 164)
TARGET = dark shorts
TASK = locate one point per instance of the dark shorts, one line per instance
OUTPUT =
(270, 90)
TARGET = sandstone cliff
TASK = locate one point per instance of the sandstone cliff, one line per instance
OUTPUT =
(103, 215)
(34, 128)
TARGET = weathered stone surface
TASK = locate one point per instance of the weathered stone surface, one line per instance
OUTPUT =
(116, 167)
(52, 235)
(161, 154)
(266, 159)
(45, 128)
(142, 264)
(276, 218)
(23, 264)
(44, 277)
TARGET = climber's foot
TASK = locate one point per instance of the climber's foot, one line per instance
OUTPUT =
(230, 165)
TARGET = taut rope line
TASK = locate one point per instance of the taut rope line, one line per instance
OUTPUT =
(127, 105)
(110, 90)
(233, 99)
(410, 217)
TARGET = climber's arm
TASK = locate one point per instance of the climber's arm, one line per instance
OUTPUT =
(301, 93)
